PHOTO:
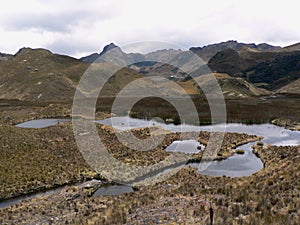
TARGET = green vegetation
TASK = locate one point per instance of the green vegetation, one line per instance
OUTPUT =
(276, 73)
(267, 197)
(240, 151)
(39, 84)
(39, 159)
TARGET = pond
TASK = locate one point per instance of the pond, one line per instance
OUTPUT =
(113, 190)
(12, 201)
(186, 146)
(234, 166)
(272, 134)
(41, 123)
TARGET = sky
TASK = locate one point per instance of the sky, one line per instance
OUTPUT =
(79, 28)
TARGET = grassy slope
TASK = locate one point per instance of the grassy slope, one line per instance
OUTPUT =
(39, 75)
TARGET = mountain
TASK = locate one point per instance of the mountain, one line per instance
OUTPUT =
(291, 88)
(39, 75)
(228, 61)
(205, 52)
(276, 73)
(268, 69)
(231, 87)
(91, 58)
(149, 64)
(112, 52)
(294, 47)
(4, 56)
(209, 51)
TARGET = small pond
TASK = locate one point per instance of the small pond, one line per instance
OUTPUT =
(9, 202)
(113, 190)
(186, 146)
(41, 123)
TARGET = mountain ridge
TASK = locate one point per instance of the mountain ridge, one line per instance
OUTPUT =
(40, 75)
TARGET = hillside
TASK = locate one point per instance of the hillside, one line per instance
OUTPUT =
(4, 56)
(38, 74)
(269, 69)
(266, 66)
(275, 73)
(291, 88)
(232, 88)
(209, 51)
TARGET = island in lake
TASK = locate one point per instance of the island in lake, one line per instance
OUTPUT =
(232, 158)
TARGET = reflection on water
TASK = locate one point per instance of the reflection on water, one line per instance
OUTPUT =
(237, 165)
(272, 134)
(234, 166)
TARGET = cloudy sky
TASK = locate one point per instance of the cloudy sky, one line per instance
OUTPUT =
(78, 28)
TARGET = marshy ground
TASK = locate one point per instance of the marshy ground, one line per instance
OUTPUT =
(39, 159)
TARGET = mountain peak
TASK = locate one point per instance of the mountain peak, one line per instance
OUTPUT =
(108, 48)
(26, 50)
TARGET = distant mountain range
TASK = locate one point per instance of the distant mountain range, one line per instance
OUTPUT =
(231, 57)
(242, 70)
(205, 52)
(209, 51)
(271, 69)
(4, 56)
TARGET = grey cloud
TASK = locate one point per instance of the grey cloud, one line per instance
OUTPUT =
(72, 47)
(53, 22)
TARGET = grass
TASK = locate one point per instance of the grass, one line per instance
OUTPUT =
(240, 151)
(268, 197)
(39, 159)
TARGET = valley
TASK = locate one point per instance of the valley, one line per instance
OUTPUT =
(259, 85)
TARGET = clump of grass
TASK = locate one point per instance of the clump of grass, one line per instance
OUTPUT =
(240, 151)
(260, 143)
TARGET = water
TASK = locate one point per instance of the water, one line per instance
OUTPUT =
(102, 191)
(12, 201)
(41, 123)
(272, 134)
(185, 146)
(113, 190)
(234, 166)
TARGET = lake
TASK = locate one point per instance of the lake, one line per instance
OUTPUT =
(234, 166)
